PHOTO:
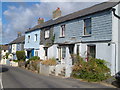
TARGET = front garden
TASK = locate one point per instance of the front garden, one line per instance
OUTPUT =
(91, 70)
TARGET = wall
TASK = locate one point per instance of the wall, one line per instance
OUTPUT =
(116, 39)
(14, 48)
(53, 52)
(46, 41)
(103, 51)
(32, 43)
(20, 47)
(101, 29)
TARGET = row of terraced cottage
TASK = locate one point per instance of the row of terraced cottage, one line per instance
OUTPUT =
(93, 31)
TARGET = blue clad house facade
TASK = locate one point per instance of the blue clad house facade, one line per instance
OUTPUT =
(32, 40)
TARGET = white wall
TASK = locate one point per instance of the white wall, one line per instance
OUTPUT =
(41, 52)
(116, 39)
(3, 53)
(53, 51)
(14, 48)
(103, 51)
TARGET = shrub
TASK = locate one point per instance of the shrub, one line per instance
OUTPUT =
(92, 70)
(35, 58)
(50, 62)
(15, 60)
(6, 55)
(20, 55)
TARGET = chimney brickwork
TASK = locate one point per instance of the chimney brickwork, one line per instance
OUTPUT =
(40, 20)
(56, 13)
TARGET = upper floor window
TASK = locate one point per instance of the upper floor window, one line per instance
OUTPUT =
(47, 34)
(62, 31)
(28, 38)
(35, 39)
(87, 26)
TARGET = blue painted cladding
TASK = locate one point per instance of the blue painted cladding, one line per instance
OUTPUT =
(32, 53)
(101, 29)
(32, 43)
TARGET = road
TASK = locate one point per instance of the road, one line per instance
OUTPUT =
(16, 77)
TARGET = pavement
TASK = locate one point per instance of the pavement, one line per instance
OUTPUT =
(16, 77)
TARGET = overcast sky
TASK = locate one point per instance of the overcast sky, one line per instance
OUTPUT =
(19, 16)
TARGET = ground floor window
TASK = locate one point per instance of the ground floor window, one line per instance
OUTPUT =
(91, 49)
(62, 52)
(36, 53)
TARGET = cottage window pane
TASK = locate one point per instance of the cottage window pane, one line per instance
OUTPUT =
(62, 31)
(35, 37)
(92, 51)
(87, 26)
(47, 34)
(63, 52)
(28, 39)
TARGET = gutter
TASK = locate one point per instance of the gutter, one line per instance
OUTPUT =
(113, 9)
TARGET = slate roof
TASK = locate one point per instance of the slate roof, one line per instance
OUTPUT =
(87, 11)
(18, 40)
(4, 47)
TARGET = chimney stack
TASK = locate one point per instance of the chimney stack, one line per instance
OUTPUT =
(19, 34)
(56, 13)
(40, 20)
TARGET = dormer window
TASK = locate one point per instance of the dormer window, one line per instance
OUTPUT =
(47, 34)
(62, 31)
(87, 26)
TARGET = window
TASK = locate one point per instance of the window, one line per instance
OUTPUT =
(35, 37)
(91, 51)
(62, 31)
(77, 50)
(87, 26)
(28, 38)
(63, 52)
(47, 34)
(36, 53)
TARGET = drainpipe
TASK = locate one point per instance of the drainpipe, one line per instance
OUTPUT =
(113, 9)
(115, 55)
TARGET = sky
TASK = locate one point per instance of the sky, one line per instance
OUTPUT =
(19, 16)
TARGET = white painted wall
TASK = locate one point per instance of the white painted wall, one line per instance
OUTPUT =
(53, 51)
(41, 52)
(116, 39)
(103, 51)
(3, 53)
(14, 48)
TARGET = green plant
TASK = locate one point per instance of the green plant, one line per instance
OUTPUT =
(15, 60)
(35, 58)
(6, 55)
(53, 38)
(92, 70)
(20, 55)
(49, 62)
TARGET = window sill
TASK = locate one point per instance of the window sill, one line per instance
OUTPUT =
(86, 35)
(62, 37)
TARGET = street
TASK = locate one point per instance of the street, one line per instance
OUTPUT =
(15, 77)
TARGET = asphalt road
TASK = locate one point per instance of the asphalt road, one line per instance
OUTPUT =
(15, 77)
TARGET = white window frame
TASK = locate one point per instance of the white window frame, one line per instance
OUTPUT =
(35, 38)
(47, 34)
(62, 31)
